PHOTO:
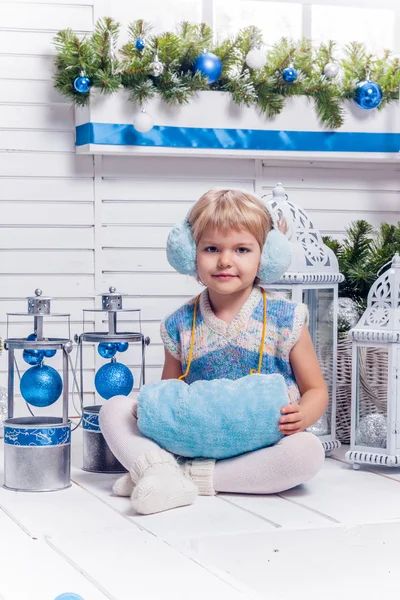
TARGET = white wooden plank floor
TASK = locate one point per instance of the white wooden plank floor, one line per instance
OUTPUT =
(333, 537)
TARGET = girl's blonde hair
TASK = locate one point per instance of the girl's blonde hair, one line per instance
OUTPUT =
(230, 209)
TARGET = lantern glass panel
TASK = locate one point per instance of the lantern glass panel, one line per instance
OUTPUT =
(371, 396)
(321, 326)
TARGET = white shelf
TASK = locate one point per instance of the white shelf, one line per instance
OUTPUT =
(213, 126)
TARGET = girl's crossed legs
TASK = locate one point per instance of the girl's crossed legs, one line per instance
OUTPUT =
(292, 461)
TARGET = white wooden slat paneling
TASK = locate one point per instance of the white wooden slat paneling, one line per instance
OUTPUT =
(71, 238)
(27, 42)
(46, 261)
(46, 187)
(154, 308)
(67, 286)
(203, 169)
(27, 164)
(37, 141)
(58, 117)
(150, 284)
(166, 189)
(30, 92)
(46, 213)
(135, 260)
(333, 177)
(40, 68)
(50, 17)
(345, 200)
(163, 213)
(135, 236)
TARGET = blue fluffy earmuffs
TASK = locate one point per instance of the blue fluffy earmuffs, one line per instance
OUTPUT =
(275, 255)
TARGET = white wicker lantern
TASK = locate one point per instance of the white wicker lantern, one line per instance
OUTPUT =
(375, 406)
(313, 278)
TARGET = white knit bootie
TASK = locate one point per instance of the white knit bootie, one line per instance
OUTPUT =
(123, 486)
(200, 471)
(159, 484)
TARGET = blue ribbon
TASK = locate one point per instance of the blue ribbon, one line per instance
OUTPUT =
(237, 139)
(90, 422)
(40, 436)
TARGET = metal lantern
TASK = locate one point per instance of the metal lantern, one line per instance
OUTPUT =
(97, 456)
(375, 405)
(37, 449)
(313, 278)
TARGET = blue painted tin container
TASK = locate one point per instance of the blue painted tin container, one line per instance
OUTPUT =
(97, 456)
(37, 454)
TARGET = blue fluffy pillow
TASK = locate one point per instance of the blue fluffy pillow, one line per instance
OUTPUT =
(213, 419)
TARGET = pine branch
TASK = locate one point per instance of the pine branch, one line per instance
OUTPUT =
(242, 90)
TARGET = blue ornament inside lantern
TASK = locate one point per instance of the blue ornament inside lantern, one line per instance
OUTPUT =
(41, 386)
(82, 84)
(107, 349)
(33, 357)
(113, 379)
(140, 44)
(209, 65)
(289, 74)
(49, 353)
(368, 94)
(122, 346)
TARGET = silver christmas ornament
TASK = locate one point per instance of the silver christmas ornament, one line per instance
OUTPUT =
(348, 315)
(331, 69)
(157, 67)
(256, 59)
(321, 427)
(372, 431)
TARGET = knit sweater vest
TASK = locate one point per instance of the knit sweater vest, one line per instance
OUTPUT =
(231, 350)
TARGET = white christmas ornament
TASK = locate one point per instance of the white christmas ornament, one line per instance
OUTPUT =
(256, 59)
(331, 70)
(143, 122)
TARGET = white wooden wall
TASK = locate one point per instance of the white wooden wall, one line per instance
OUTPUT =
(73, 226)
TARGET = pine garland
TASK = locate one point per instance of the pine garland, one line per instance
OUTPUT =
(110, 68)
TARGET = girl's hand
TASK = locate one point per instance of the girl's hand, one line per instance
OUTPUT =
(293, 420)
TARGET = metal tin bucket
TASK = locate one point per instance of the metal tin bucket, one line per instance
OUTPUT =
(97, 456)
(37, 454)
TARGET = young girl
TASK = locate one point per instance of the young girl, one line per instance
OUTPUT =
(229, 228)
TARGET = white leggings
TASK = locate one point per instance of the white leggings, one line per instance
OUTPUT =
(292, 461)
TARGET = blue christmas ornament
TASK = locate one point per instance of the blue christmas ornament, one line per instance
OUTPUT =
(122, 346)
(368, 94)
(113, 379)
(140, 44)
(289, 74)
(82, 84)
(33, 357)
(41, 386)
(209, 65)
(49, 353)
(107, 349)
(69, 596)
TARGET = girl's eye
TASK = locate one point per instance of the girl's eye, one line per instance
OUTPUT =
(211, 249)
(242, 250)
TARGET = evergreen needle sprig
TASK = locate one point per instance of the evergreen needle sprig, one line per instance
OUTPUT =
(110, 68)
